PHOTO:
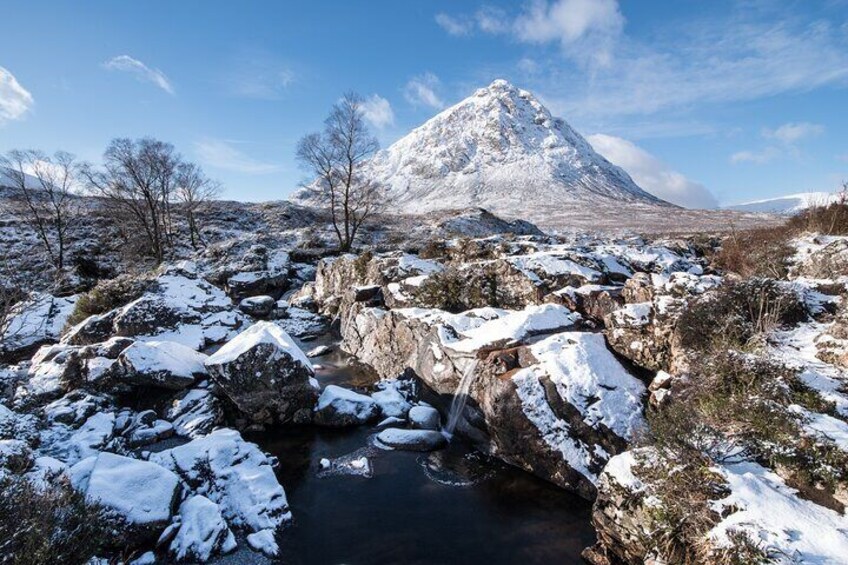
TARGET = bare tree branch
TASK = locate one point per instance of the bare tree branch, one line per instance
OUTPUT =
(337, 157)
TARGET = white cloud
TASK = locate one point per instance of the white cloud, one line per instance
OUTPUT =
(141, 71)
(15, 100)
(793, 132)
(745, 56)
(788, 137)
(758, 157)
(492, 20)
(566, 21)
(421, 91)
(378, 112)
(585, 29)
(453, 25)
(225, 155)
(652, 174)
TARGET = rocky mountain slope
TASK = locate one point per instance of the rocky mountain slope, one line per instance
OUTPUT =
(501, 148)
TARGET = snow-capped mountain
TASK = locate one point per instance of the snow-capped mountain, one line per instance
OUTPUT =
(789, 204)
(502, 150)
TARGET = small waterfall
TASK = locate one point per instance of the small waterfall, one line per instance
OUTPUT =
(460, 398)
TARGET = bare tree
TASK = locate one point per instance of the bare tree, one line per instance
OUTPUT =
(194, 190)
(150, 188)
(43, 196)
(336, 157)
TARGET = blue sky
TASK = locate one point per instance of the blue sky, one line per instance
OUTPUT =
(720, 101)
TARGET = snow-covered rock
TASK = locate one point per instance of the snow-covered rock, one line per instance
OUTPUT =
(163, 364)
(35, 321)
(199, 531)
(234, 474)
(141, 492)
(411, 440)
(265, 374)
(15, 456)
(180, 306)
(338, 406)
(194, 413)
(424, 418)
(392, 402)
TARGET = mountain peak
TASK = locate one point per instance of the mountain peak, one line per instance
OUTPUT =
(502, 150)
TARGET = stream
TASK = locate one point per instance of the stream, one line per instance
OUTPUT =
(450, 506)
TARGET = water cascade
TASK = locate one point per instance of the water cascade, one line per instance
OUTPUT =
(460, 398)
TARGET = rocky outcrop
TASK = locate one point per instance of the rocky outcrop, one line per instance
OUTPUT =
(180, 306)
(266, 375)
(558, 408)
(645, 333)
(829, 261)
(621, 514)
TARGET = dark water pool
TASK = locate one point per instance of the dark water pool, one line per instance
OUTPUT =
(450, 506)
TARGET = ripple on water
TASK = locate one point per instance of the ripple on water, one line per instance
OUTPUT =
(450, 467)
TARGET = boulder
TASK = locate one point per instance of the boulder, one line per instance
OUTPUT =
(411, 440)
(141, 492)
(258, 306)
(390, 399)
(199, 531)
(235, 475)
(162, 364)
(592, 301)
(638, 289)
(339, 407)
(266, 375)
(194, 412)
(260, 271)
(645, 333)
(424, 418)
(36, 321)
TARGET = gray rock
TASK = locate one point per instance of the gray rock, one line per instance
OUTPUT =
(319, 351)
(339, 407)
(411, 440)
(266, 375)
(424, 418)
(258, 306)
(162, 364)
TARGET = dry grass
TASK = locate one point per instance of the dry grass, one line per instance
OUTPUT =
(825, 218)
(109, 294)
(55, 525)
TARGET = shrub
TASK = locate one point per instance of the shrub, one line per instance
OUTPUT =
(108, 295)
(360, 266)
(433, 249)
(828, 219)
(446, 290)
(53, 525)
(736, 313)
(684, 486)
(761, 252)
